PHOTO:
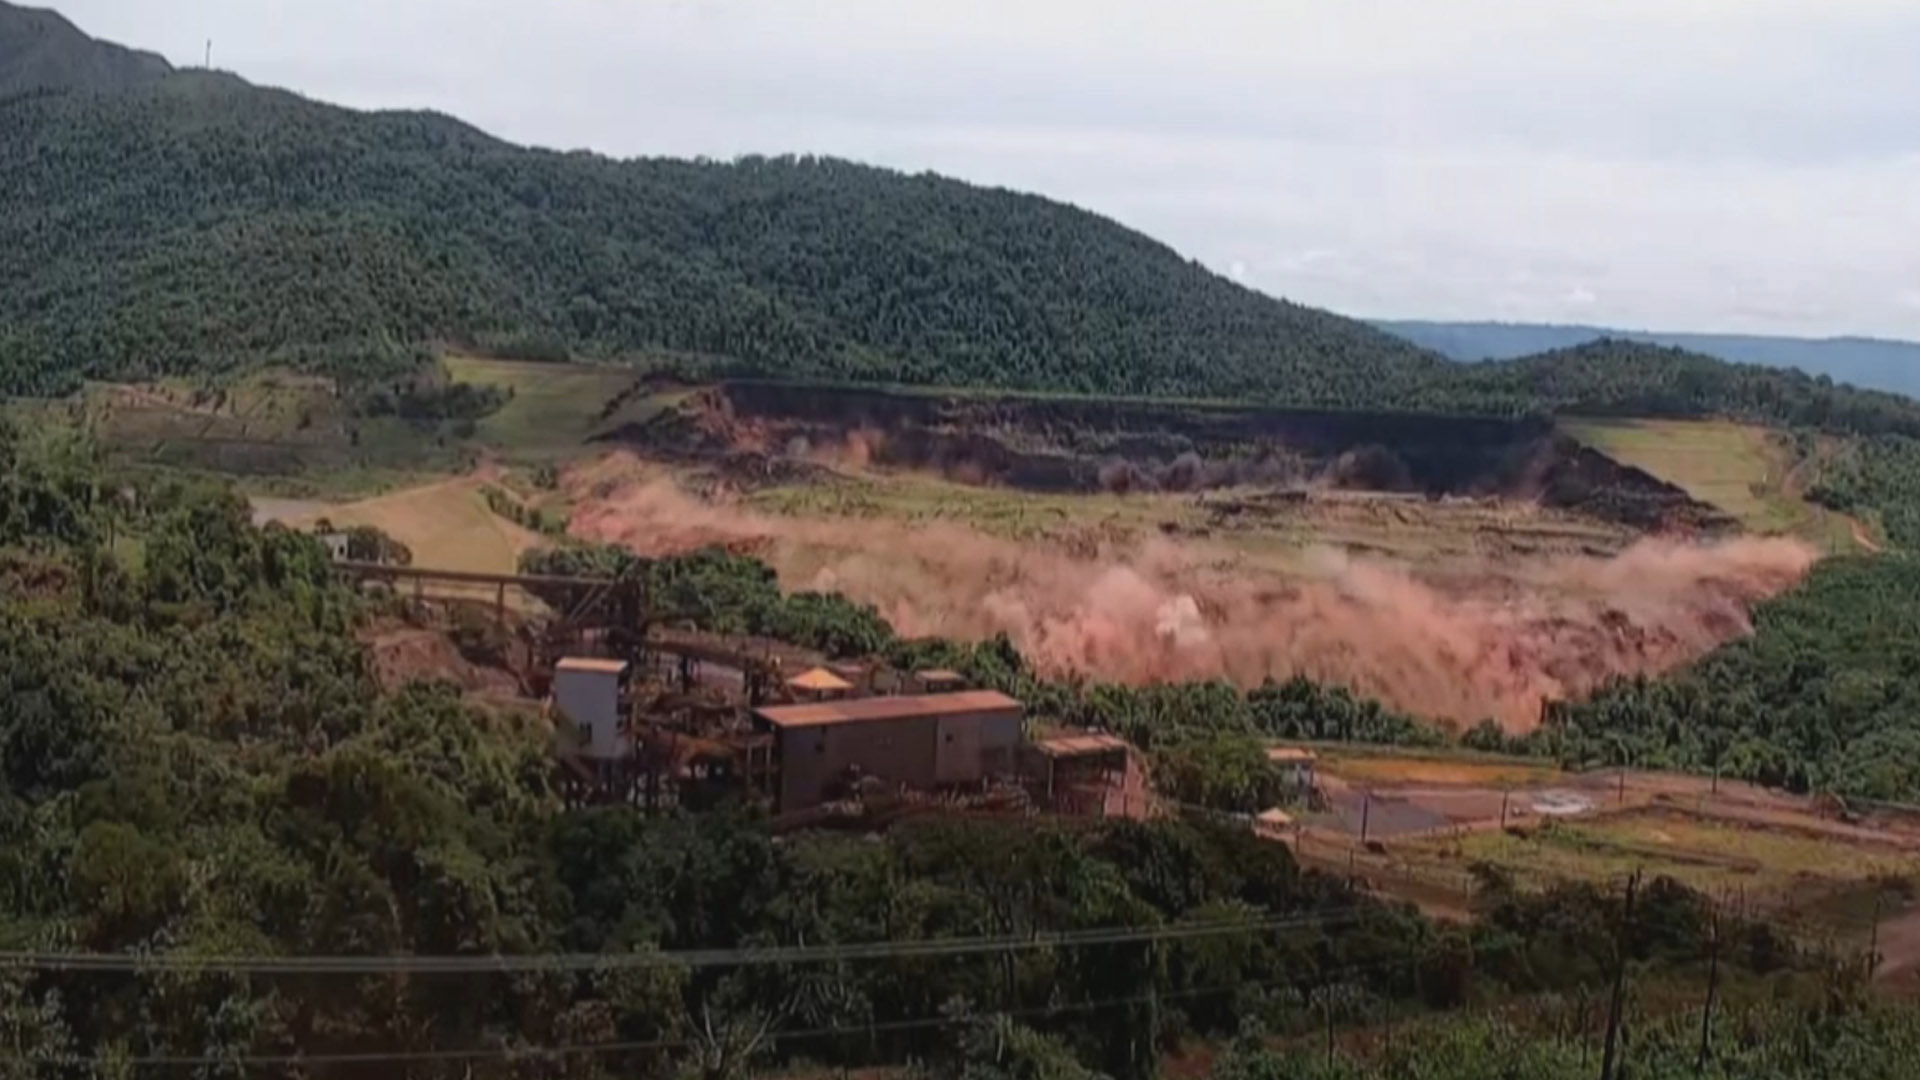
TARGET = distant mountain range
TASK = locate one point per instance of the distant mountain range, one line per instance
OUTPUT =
(1870, 362)
(41, 50)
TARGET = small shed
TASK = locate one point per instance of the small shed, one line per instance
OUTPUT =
(1273, 824)
(586, 693)
(1297, 762)
(1090, 759)
(939, 680)
(820, 683)
(858, 674)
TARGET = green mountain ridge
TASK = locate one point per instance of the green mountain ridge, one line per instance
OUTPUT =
(1873, 362)
(40, 50)
(242, 224)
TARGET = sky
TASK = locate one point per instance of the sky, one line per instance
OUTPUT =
(1726, 165)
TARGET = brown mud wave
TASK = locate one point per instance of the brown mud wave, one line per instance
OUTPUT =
(1494, 641)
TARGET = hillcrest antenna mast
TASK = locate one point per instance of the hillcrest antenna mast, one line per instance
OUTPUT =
(209, 54)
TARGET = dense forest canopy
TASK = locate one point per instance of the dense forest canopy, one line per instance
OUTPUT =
(1878, 477)
(195, 765)
(1825, 694)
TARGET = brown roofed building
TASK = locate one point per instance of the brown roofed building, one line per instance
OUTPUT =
(1079, 773)
(918, 741)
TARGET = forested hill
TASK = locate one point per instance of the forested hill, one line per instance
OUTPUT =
(196, 224)
(41, 50)
(1627, 378)
(1886, 365)
(202, 221)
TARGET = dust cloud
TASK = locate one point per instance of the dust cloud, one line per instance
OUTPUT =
(1494, 642)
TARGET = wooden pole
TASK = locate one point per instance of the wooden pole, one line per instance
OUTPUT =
(1153, 1009)
(1610, 1051)
(1873, 936)
(1713, 989)
(1326, 1009)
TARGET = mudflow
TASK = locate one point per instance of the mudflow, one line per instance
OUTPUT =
(1492, 644)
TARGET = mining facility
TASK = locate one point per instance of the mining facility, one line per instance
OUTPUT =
(659, 716)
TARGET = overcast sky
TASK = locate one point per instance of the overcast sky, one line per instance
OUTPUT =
(1746, 165)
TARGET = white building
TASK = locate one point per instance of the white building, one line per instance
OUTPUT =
(336, 543)
(586, 694)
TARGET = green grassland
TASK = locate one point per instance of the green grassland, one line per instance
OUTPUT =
(446, 525)
(1746, 470)
(1706, 854)
(273, 431)
(1248, 520)
(554, 409)
(297, 435)
(1385, 766)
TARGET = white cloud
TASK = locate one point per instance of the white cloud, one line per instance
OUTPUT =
(1709, 164)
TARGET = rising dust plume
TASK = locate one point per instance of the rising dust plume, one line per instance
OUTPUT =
(1152, 608)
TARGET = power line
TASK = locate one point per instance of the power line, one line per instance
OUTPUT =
(692, 958)
(576, 1049)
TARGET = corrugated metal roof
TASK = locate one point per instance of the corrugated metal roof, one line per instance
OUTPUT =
(593, 664)
(863, 710)
(1282, 754)
(1081, 745)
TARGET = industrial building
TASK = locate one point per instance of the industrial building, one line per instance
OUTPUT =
(1080, 773)
(920, 742)
(586, 694)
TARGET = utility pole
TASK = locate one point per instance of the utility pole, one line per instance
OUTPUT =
(1713, 989)
(1873, 935)
(1387, 1000)
(1326, 1008)
(1148, 1066)
(1366, 813)
(1610, 1051)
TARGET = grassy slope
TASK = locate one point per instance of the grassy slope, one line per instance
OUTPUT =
(447, 525)
(555, 409)
(1701, 853)
(1744, 469)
